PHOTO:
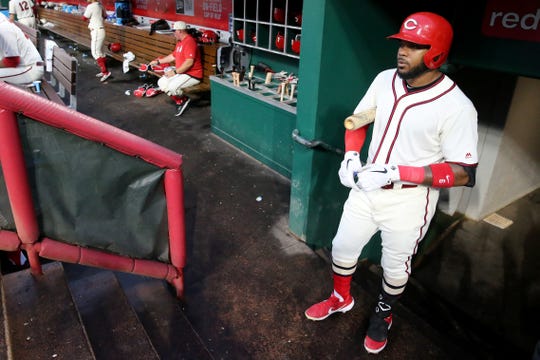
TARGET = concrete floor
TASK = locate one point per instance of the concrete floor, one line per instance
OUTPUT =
(248, 282)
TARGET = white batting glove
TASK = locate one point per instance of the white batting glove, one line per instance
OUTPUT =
(375, 176)
(350, 166)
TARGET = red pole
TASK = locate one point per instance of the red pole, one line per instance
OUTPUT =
(17, 184)
(174, 193)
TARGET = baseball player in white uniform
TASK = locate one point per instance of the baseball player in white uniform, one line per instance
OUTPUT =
(23, 11)
(20, 61)
(95, 14)
(424, 138)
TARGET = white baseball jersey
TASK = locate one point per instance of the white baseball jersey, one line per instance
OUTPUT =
(431, 125)
(22, 8)
(94, 13)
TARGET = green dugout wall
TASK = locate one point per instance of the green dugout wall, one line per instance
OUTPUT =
(343, 48)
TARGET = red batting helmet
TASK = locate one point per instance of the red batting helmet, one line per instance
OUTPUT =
(425, 28)
(115, 47)
(208, 36)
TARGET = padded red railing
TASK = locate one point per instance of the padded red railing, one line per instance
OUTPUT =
(27, 236)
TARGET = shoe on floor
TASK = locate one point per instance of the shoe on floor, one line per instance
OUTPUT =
(377, 334)
(182, 107)
(153, 91)
(335, 303)
(98, 75)
(141, 90)
(105, 76)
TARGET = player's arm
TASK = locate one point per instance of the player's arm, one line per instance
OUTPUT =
(356, 127)
(440, 175)
(12, 10)
(351, 164)
(185, 66)
(166, 59)
(34, 9)
(87, 14)
(354, 139)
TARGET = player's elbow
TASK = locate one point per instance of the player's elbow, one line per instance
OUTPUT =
(189, 63)
(470, 176)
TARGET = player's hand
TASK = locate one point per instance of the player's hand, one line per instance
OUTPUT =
(350, 166)
(170, 71)
(375, 176)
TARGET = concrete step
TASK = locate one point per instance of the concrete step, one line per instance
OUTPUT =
(112, 325)
(163, 317)
(42, 321)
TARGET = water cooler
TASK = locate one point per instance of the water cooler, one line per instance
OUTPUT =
(123, 11)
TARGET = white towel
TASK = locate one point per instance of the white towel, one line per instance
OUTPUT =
(49, 46)
(128, 57)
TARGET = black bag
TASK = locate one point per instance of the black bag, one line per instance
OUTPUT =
(160, 24)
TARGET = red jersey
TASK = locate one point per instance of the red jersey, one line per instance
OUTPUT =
(188, 49)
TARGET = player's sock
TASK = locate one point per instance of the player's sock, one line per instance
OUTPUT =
(178, 100)
(342, 285)
(102, 62)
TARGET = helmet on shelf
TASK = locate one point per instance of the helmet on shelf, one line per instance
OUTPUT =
(425, 28)
(209, 36)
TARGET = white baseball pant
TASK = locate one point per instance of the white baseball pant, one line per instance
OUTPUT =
(402, 216)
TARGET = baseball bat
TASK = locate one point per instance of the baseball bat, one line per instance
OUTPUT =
(356, 121)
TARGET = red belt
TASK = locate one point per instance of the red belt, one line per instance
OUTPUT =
(403, 186)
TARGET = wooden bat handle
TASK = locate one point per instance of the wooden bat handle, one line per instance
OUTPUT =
(363, 118)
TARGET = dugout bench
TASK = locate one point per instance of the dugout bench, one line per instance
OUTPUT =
(144, 46)
(63, 75)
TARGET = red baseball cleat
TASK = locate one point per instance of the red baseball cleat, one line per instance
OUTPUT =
(377, 334)
(335, 303)
(182, 105)
(153, 91)
(141, 90)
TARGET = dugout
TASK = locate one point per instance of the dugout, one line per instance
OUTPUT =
(494, 60)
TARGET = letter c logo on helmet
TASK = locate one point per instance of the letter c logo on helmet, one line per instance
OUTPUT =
(410, 24)
(425, 28)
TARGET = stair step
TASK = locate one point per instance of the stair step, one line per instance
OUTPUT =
(112, 325)
(41, 319)
(163, 317)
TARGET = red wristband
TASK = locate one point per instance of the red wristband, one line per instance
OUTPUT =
(414, 174)
(442, 174)
(354, 139)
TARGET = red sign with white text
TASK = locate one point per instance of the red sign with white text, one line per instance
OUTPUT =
(518, 19)
(206, 13)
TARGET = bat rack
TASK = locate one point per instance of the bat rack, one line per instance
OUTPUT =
(270, 93)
